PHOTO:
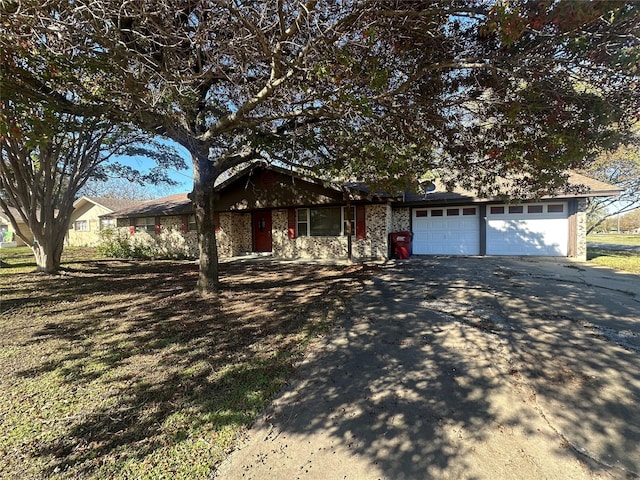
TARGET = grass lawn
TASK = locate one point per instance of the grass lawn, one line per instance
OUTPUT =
(21, 259)
(615, 239)
(626, 261)
(117, 369)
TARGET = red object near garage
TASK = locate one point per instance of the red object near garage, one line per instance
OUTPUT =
(401, 244)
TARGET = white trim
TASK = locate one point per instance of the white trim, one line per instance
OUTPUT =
(343, 219)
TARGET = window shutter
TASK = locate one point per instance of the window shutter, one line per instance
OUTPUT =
(157, 221)
(291, 216)
(361, 228)
(216, 221)
(185, 223)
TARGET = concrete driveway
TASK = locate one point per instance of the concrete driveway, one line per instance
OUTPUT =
(465, 368)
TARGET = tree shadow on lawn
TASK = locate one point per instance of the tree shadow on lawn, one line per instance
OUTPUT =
(147, 365)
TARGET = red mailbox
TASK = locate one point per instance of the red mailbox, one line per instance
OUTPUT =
(401, 244)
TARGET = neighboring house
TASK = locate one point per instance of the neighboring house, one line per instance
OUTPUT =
(7, 232)
(269, 209)
(86, 224)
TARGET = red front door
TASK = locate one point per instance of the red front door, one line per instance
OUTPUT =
(262, 231)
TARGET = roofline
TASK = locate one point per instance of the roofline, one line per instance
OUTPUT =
(88, 199)
(596, 193)
(291, 173)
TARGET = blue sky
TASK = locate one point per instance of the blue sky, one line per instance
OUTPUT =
(184, 178)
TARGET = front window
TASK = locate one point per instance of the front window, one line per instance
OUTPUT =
(146, 224)
(192, 227)
(324, 222)
(81, 226)
(106, 223)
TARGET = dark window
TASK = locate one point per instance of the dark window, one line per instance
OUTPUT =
(534, 209)
(324, 221)
(453, 212)
(436, 213)
(421, 213)
(146, 224)
(555, 208)
(469, 211)
(344, 220)
(191, 224)
(516, 209)
(497, 210)
(303, 222)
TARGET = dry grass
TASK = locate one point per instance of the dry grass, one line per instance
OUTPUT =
(119, 370)
(618, 239)
(625, 261)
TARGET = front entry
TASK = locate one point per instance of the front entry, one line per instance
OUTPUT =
(262, 240)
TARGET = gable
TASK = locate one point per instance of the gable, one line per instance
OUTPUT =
(88, 211)
(270, 188)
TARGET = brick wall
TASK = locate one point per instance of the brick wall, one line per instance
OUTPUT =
(374, 245)
(581, 230)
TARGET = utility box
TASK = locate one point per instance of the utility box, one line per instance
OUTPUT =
(401, 244)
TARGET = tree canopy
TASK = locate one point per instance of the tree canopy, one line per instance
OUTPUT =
(385, 91)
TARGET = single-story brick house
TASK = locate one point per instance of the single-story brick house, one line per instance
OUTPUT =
(270, 209)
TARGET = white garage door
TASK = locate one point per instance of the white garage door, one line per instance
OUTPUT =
(446, 231)
(532, 229)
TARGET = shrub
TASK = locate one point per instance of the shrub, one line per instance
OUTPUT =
(119, 243)
(172, 244)
(143, 245)
(114, 242)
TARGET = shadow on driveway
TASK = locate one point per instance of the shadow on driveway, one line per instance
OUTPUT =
(453, 367)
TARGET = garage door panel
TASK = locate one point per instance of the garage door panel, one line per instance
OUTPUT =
(446, 235)
(528, 229)
(544, 234)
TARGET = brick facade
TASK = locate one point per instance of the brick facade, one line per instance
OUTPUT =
(374, 245)
(234, 235)
(581, 230)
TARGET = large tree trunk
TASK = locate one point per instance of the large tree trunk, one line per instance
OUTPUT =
(47, 250)
(203, 200)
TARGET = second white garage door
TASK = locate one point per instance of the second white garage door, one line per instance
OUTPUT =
(541, 229)
(446, 231)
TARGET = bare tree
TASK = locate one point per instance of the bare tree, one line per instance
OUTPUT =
(116, 188)
(621, 168)
(383, 90)
(47, 157)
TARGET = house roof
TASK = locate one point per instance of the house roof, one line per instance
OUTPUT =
(14, 212)
(595, 188)
(112, 204)
(334, 185)
(181, 204)
(178, 204)
(579, 186)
